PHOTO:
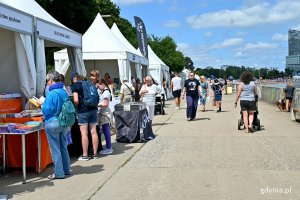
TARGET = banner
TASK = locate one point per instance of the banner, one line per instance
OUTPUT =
(141, 36)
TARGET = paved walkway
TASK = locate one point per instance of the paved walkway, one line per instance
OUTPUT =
(204, 159)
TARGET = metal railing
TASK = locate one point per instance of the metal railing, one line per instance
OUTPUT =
(270, 94)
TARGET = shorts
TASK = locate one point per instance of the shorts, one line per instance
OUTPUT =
(176, 93)
(89, 117)
(289, 98)
(218, 97)
(248, 105)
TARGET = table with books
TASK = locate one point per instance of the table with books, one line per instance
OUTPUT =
(18, 129)
(23, 142)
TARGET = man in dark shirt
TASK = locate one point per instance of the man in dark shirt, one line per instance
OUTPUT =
(192, 90)
(289, 93)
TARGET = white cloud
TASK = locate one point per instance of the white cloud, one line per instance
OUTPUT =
(232, 42)
(208, 34)
(296, 27)
(172, 24)
(129, 2)
(249, 16)
(280, 37)
(260, 46)
(228, 43)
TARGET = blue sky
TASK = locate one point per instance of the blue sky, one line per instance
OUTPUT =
(252, 33)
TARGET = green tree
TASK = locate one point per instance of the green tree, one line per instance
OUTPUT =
(188, 64)
(165, 49)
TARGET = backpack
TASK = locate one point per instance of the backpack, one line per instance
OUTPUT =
(109, 92)
(90, 94)
(66, 116)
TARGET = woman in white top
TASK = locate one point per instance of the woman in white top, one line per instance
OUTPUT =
(148, 93)
(104, 114)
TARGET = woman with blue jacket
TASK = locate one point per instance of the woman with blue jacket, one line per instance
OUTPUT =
(56, 134)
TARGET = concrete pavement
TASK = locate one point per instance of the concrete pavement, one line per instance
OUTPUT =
(204, 159)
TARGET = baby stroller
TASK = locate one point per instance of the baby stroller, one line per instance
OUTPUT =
(159, 106)
(256, 121)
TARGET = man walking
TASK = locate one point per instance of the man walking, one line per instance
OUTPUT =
(192, 90)
(176, 89)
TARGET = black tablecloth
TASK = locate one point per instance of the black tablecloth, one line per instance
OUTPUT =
(130, 124)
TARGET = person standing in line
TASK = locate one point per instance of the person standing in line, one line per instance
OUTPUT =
(176, 89)
(192, 90)
(104, 114)
(56, 134)
(137, 88)
(148, 93)
(217, 87)
(246, 93)
(289, 93)
(125, 91)
(204, 92)
(87, 119)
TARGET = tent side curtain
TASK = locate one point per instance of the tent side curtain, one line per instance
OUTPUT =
(124, 69)
(40, 66)
(138, 69)
(76, 60)
(26, 66)
(61, 66)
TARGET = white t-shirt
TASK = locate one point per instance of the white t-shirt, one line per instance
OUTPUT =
(104, 95)
(149, 97)
(176, 82)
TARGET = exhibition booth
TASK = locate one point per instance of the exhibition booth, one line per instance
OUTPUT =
(103, 51)
(26, 29)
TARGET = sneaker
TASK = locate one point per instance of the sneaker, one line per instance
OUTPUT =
(95, 156)
(218, 111)
(188, 119)
(106, 151)
(82, 157)
(177, 108)
(150, 138)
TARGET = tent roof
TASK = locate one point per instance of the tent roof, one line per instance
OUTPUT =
(99, 38)
(48, 28)
(121, 37)
(154, 60)
(33, 8)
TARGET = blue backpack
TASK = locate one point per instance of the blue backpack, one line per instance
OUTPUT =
(66, 116)
(90, 94)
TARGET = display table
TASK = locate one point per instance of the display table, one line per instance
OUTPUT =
(14, 147)
(23, 150)
(132, 126)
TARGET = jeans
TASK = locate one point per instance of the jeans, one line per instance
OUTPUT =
(58, 147)
(192, 104)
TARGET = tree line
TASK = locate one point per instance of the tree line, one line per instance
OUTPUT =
(236, 71)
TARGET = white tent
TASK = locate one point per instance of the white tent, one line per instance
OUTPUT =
(50, 33)
(141, 68)
(158, 69)
(16, 52)
(102, 50)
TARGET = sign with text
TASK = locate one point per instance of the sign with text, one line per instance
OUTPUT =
(15, 21)
(58, 34)
(141, 36)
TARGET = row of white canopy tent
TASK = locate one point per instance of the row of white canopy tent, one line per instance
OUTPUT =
(108, 51)
(25, 30)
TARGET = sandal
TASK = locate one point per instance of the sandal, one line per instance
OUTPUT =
(53, 176)
(250, 129)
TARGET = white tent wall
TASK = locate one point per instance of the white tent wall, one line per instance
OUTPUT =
(26, 66)
(104, 66)
(8, 67)
(40, 67)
